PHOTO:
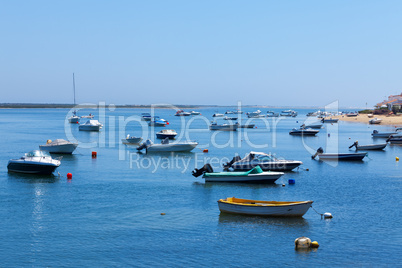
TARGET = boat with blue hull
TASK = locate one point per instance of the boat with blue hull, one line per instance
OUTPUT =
(34, 162)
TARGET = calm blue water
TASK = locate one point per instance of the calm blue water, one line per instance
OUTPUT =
(109, 214)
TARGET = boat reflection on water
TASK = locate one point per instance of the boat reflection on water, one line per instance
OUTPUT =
(33, 178)
(226, 218)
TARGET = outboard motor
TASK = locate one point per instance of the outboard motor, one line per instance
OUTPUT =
(375, 131)
(145, 145)
(229, 164)
(205, 169)
(354, 144)
(319, 151)
(389, 138)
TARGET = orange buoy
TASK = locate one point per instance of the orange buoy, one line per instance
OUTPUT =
(69, 176)
(205, 151)
(94, 154)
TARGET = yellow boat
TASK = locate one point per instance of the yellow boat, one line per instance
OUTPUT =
(264, 208)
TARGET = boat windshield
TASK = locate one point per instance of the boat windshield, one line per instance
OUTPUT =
(38, 153)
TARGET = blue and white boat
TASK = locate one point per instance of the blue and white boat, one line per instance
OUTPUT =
(34, 162)
(166, 133)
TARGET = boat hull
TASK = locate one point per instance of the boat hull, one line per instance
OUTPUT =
(265, 177)
(247, 126)
(31, 168)
(224, 128)
(268, 166)
(371, 147)
(303, 133)
(187, 147)
(289, 209)
(131, 141)
(164, 136)
(89, 128)
(59, 149)
(343, 157)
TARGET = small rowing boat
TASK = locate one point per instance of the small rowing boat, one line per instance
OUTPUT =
(264, 208)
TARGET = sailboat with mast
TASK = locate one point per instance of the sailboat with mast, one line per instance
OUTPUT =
(74, 119)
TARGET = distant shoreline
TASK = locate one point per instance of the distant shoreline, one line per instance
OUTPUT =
(70, 106)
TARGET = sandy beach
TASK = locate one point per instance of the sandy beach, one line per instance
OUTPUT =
(392, 120)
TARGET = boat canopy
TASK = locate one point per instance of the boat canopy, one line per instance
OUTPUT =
(58, 142)
(258, 156)
(37, 153)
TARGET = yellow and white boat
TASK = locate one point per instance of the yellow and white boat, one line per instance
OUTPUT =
(264, 208)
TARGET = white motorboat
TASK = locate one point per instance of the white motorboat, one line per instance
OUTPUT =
(330, 120)
(90, 116)
(255, 114)
(91, 125)
(290, 113)
(377, 134)
(304, 132)
(166, 133)
(316, 125)
(370, 115)
(254, 175)
(194, 113)
(217, 115)
(265, 161)
(234, 112)
(223, 127)
(131, 140)
(158, 122)
(263, 208)
(35, 162)
(272, 114)
(146, 117)
(166, 146)
(59, 146)
(368, 146)
(375, 121)
(352, 114)
(74, 119)
(182, 113)
(230, 118)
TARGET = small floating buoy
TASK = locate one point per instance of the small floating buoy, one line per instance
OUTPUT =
(302, 242)
(292, 181)
(94, 154)
(297, 122)
(69, 176)
(205, 151)
(163, 213)
(307, 169)
(327, 215)
(314, 244)
(396, 158)
(329, 135)
(283, 185)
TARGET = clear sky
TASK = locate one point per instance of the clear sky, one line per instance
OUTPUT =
(281, 53)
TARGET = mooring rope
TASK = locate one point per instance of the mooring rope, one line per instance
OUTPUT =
(321, 214)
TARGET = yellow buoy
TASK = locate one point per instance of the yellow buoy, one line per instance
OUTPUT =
(163, 213)
(397, 158)
(314, 244)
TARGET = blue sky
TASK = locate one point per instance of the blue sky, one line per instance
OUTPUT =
(280, 53)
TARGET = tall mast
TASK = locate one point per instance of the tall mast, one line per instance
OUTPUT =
(74, 88)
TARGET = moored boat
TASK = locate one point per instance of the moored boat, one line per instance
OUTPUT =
(368, 146)
(254, 175)
(246, 125)
(230, 118)
(194, 113)
(59, 146)
(166, 133)
(265, 161)
(90, 125)
(304, 132)
(338, 156)
(217, 115)
(264, 208)
(157, 122)
(146, 117)
(377, 134)
(223, 127)
(182, 113)
(375, 121)
(330, 120)
(34, 162)
(166, 146)
(131, 140)
(316, 125)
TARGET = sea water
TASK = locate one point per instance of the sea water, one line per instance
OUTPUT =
(129, 209)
